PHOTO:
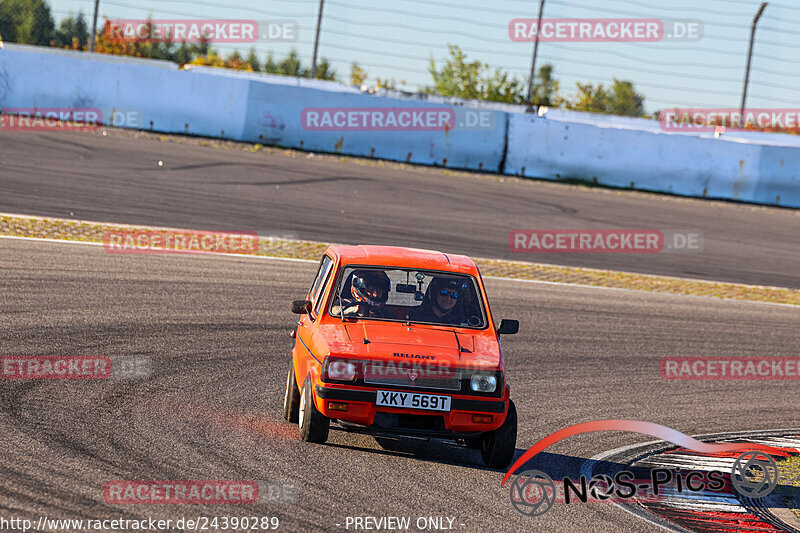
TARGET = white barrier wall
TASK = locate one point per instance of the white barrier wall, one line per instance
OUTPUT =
(614, 151)
(168, 100)
(274, 117)
(689, 165)
(239, 106)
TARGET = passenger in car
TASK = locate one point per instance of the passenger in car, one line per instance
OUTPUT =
(441, 303)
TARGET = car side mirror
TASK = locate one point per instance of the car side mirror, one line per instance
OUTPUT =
(508, 327)
(301, 307)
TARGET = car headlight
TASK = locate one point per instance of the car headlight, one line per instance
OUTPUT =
(341, 369)
(483, 382)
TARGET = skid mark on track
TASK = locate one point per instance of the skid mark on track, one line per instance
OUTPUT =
(228, 418)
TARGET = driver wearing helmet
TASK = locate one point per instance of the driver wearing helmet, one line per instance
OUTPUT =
(441, 303)
(369, 290)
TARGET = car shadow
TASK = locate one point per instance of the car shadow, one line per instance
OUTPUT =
(449, 452)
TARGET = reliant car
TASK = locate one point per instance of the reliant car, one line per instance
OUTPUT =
(401, 341)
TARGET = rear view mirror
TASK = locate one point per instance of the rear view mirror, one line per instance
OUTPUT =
(406, 288)
(508, 327)
(301, 307)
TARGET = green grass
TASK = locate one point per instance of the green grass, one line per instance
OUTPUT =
(789, 475)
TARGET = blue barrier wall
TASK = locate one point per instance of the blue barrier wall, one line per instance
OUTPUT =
(274, 111)
(649, 159)
(614, 151)
(236, 105)
(172, 100)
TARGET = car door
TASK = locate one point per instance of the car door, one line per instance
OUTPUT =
(305, 325)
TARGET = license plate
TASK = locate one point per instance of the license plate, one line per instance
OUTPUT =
(413, 400)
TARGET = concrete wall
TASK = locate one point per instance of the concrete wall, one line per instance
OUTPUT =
(648, 159)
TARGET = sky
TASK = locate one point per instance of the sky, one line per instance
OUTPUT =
(397, 39)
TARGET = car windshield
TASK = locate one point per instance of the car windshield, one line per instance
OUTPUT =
(420, 296)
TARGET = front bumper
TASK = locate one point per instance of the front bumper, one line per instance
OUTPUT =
(361, 409)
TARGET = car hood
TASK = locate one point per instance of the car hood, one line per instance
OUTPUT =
(420, 344)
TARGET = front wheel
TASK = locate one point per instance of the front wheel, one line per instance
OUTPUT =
(314, 425)
(291, 397)
(498, 446)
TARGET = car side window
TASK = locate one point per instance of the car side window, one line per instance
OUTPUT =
(322, 274)
(326, 276)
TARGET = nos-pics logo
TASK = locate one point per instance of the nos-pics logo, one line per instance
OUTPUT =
(533, 492)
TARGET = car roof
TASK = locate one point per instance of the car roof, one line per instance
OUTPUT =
(403, 257)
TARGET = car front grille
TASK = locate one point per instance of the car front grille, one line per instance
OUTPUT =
(415, 378)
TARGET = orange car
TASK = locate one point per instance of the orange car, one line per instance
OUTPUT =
(400, 340)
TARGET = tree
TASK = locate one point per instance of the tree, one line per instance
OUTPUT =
(324, 70)
(620, 99)
(26, 22)
(82, 30)
(358, 76)
(233, 60)
(624, 100)
(291, 65)
(502, 88)
(473, 80)
(252, 59)
(589, 98)
(184, 54)
(457, 77)
(545, 88)
(389, 84)
(72, 33)
(108, 41)
(270, 66)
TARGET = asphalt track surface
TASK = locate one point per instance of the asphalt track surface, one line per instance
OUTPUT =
(216, 331)
(117, 179)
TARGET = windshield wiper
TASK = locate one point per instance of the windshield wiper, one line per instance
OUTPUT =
(460, 348)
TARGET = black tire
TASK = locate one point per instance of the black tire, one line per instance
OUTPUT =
(313, 424)
(291, 397)
(498, 446)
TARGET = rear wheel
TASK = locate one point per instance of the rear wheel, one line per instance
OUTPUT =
(498, 446)
(313, 424)
(291, 397)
